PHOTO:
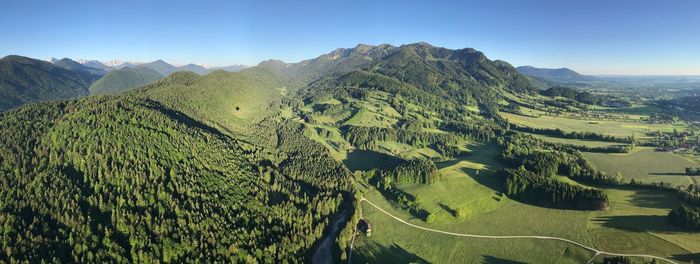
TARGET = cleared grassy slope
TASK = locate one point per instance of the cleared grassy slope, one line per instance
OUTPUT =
(612, 128)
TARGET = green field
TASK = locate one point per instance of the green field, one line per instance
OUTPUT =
(439, 198)
(392, 242)
(646, 165)
(491, 214)
(634, 223)
(612, 128)
(637, 110)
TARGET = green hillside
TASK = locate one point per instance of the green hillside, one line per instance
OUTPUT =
(123, 79)
(25, 80)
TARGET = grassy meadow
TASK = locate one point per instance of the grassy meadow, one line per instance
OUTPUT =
(607, 127)
(634, 222)
(645, 164)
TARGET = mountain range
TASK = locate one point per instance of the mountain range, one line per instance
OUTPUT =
(160, 66)
(24, 80)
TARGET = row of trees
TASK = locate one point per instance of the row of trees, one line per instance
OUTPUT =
(689, 194)
(408, 171)
(692, 171)
(687, 217)
(571, 134)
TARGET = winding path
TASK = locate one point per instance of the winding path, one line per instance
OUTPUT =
(596, 251)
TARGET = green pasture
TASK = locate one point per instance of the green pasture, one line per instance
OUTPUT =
(607, 127)
(646, 165)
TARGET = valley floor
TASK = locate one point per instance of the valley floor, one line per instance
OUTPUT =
(634, 223)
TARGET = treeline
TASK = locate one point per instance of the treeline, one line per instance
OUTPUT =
(530, 187)
(408, 171)
(606, 149)
(564, 134)
(687, 217)
(689, 194)
(692, 171)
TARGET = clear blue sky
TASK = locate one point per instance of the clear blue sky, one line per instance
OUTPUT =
(593, 36)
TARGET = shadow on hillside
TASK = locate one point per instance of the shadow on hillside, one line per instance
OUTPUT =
(492, 180)
(668, 174)
(486, 154)
(367, 159)
(496, 260)
(695, 257)
(449, 210)
(390, 254)
(181, 117)
(637, 223)
(451, 162)
(652, 199)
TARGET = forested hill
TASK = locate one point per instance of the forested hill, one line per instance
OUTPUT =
(25, 80)
(123, 79)
(129, 179)
(556, 75)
